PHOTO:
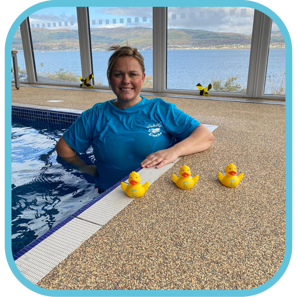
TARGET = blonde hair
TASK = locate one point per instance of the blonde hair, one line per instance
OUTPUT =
(120, 51)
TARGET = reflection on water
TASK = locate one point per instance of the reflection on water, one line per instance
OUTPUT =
(44, 191)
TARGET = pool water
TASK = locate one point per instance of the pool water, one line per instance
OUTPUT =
(45, 190)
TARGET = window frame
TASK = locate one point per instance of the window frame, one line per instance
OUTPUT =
(28, 51)
(257, 66)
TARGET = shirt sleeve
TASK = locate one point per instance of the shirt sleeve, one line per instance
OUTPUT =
(79, 135)
(179, 124)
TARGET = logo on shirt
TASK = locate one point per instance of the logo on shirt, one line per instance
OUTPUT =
(154, 129)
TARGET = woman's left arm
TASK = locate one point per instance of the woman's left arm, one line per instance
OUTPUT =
(199, 140)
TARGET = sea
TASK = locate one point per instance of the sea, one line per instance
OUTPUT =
(185, 68)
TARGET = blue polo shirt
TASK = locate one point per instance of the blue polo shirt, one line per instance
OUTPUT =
(121, 139)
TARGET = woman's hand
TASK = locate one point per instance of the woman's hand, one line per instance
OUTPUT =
(199, 140)
(160, 158)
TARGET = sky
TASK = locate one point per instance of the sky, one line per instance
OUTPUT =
(221, 19)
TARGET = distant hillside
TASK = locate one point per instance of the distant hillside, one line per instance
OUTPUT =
(64, 39)
(277, 36)
(205, 39)
(138, 37)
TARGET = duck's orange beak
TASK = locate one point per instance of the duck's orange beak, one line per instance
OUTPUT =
(133, 182)
(185, 174)
(232, 173)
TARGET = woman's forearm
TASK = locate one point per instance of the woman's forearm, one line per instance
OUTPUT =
(200, 140)
(68, 154)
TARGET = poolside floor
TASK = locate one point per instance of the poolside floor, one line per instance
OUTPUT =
(208, 238)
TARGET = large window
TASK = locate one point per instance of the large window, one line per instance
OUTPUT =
(120, 25)
(206, 45)
(56, 46)
(276, 67)
(209, 45)
(17, 46)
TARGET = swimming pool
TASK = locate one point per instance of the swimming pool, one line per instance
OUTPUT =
(45, 190)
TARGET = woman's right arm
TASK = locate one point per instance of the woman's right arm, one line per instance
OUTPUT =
(69, 155)
(64, 150)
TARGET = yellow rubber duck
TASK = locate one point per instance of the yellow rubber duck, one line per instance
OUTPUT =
(185, 181)
(229, 179)
(135, 189)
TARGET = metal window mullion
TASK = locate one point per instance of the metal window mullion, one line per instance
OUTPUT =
(259, 55)
(15, 69)
(28, 51)
(159, 48)
(85, 46)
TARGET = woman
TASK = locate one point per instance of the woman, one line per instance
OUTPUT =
(130, 131)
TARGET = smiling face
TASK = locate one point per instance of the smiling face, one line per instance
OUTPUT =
(126, 80)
